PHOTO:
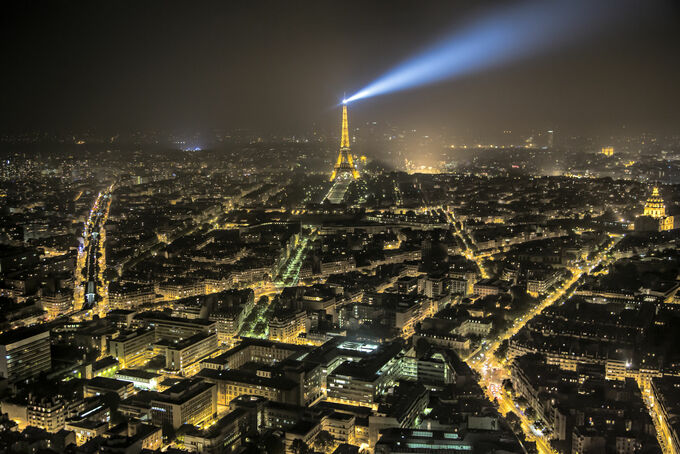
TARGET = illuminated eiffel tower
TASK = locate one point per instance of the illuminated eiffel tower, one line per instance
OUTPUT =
(344, 164)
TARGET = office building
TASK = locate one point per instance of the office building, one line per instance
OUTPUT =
(99, 386)
(188, 402)
(184, 356)
(131, 347)
(24, 353)
(234, 383)
(175, 328)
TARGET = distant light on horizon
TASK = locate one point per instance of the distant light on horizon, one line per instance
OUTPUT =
(500, 37)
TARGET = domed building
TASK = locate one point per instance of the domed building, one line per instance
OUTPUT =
(654, 206)
(654, 216)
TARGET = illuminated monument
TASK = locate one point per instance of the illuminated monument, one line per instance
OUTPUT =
(344, 164)
(654, 216)
(655, 206)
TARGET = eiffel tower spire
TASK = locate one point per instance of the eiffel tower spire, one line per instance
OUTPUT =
(344, 163)
(344, 141)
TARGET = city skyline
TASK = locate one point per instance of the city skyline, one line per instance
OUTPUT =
(205, 250)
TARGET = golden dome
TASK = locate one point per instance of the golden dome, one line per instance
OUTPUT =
(655, 206)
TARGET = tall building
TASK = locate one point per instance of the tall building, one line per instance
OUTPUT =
(344, 163)
(24, 353)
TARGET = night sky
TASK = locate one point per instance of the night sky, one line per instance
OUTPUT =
(282, 66)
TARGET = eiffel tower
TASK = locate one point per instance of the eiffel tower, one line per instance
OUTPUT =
(344, 164)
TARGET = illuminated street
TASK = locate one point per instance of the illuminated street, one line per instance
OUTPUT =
(492, 372)
(468, 252)
(93, 261)
(290, 274)
(663, 432)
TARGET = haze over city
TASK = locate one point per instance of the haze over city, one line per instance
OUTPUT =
(278, 68)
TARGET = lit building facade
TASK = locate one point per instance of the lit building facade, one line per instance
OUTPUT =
(233, 383)
(188, 402)
(287, 326)
(48, 414)
(362, 382)
(57, 303)
(130, 349)
(130, 295)
(184, 356)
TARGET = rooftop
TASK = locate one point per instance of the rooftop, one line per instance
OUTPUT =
(16, 335)
(249, 378)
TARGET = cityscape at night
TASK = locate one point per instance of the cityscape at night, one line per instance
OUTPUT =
(325, 227)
